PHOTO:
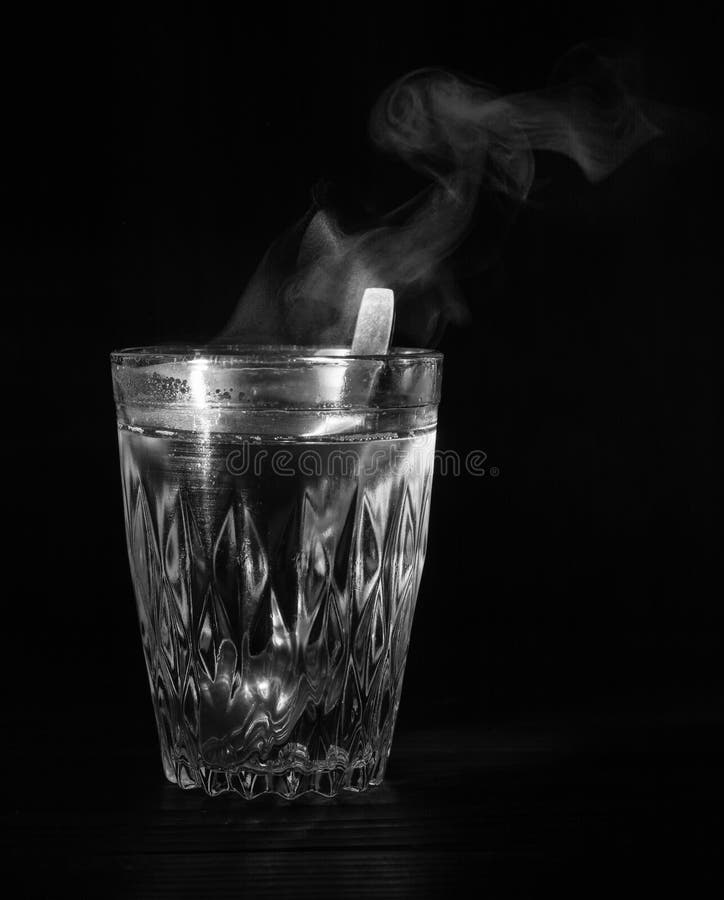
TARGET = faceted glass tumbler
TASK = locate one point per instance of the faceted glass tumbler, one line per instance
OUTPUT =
(276, 504)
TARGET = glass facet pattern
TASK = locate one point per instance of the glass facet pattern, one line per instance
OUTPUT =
(275, 601)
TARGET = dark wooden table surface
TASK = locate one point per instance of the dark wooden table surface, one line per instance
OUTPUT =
(629, 800)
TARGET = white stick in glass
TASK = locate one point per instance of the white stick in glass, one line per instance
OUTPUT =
(375, 318)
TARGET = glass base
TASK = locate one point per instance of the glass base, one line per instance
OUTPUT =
(288, 784)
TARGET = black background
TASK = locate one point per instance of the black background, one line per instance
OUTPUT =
(149, 161)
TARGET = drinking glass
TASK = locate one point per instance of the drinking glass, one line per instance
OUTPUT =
(276, 504)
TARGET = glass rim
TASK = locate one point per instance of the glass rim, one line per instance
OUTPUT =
(262, 354)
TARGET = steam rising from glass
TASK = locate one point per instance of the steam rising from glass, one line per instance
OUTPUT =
(468, 140)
